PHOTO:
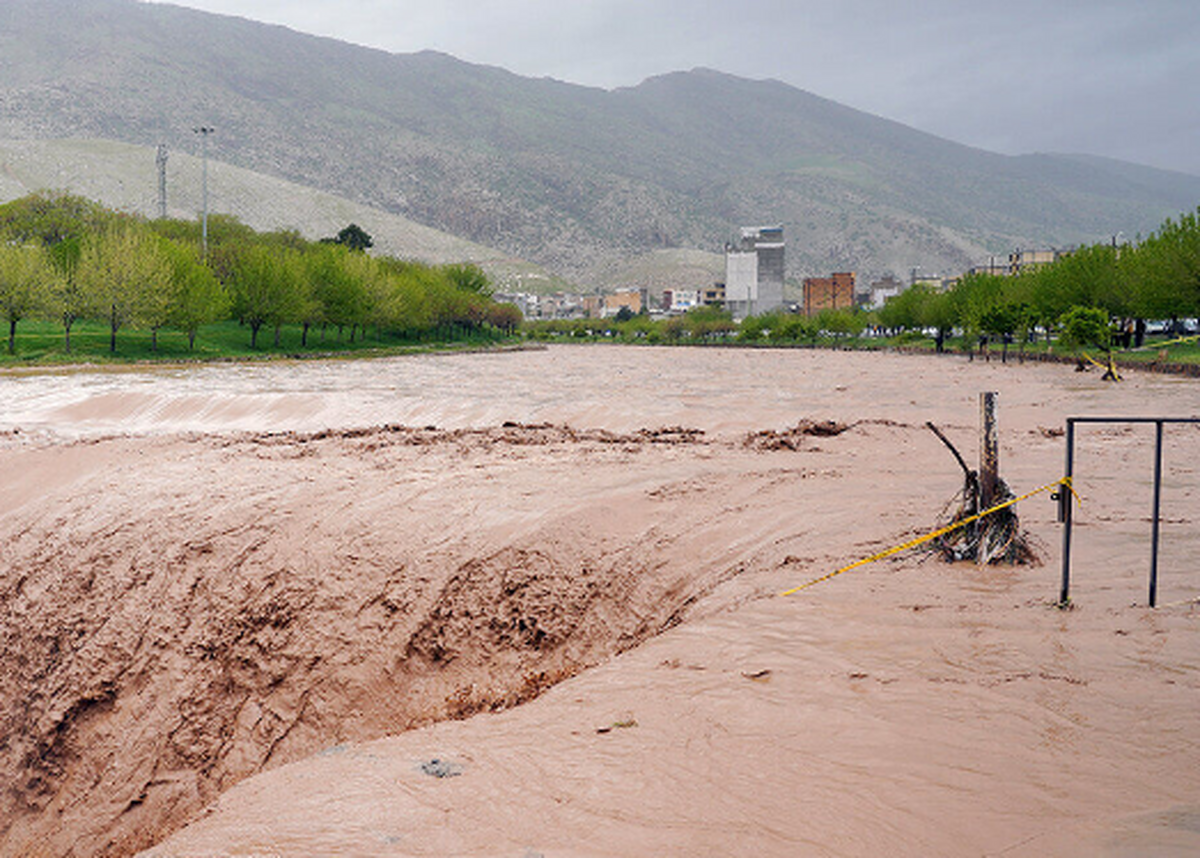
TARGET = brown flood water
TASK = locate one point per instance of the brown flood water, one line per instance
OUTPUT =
(229, 641)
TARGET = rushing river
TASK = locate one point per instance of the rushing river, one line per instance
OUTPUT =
(620, 389)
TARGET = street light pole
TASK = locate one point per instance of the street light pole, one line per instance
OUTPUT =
(204, 131)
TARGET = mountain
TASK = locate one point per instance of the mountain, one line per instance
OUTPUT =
(581, 180)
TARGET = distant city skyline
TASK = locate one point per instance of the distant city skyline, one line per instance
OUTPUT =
(1114, 78)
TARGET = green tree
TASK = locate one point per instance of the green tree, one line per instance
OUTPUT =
(353, 237)
(69, 300)
(753, 329)
(197, 297)
(330, 289)
(51, 218)
(841, 323)
(903, 312)
(706, 323)
(505, 317)
(674, 329)
(264, 289)
(469, 277)
(1165, 270)
(974, 296)
(24, 285)
(126, 277)
(1084, 328)
(937, 311)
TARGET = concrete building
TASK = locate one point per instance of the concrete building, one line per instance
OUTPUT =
(605, 306)
(677, 301)
(1019, 260)
(881, 290)
(714, 296)
(935, 282)
(525, 302)
(634, 299)
(997, 267)
(754, 269)
(592, 305)
(1023, 260)
(829, 293)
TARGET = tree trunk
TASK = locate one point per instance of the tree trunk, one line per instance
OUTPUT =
(154, 339)
(192, 340)
(277, 327)
(112, 339)
(67, 322)
(254, 326)
(12, 336)
(304, 336)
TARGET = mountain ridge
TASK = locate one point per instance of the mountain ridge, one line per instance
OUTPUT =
(578, 179)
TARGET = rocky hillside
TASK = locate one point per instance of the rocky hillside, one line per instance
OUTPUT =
(574, 178)
(125, 177)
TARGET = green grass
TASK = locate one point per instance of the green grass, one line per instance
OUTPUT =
(42, 343)
(1183, 353)
(1175, 353)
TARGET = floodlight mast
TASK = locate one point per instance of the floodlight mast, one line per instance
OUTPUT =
(204, 131)
(161, 161)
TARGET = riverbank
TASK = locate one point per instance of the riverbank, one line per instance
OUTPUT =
(41, 345)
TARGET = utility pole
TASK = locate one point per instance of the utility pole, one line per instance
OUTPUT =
(204, 131)
(161, 160)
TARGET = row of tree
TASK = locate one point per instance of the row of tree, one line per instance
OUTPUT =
(65, 258)
(708, 324)
(1157, 278)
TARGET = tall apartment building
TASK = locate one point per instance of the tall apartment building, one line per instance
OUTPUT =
(754, 267)
(829, 293)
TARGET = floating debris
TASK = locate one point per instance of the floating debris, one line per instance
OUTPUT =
(997, 538)
(618, 725)
(441, 768)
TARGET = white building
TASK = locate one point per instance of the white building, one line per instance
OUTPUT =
(677, 301)
(754, 269)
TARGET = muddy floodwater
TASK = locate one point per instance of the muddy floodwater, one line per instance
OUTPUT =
(528, 603)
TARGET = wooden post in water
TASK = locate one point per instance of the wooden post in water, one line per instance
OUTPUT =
(989, 467)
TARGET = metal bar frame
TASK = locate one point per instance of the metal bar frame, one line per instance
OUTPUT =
(1064, 496)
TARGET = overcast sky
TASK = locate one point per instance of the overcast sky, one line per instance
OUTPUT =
(1106, 77)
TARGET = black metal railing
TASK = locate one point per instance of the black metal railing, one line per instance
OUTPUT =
(1064, 495)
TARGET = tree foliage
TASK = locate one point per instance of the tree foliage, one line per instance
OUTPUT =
(66, 258)
(25, 278)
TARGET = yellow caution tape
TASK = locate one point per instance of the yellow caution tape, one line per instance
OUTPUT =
(1112, 367)
(921, 540)
(1175, 341)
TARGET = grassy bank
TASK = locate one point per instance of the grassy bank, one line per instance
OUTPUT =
(43, 344)
(1160, 352)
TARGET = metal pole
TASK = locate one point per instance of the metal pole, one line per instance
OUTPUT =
(1158, 443)
(161, 161)
(204, 131)
(1064, 511)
